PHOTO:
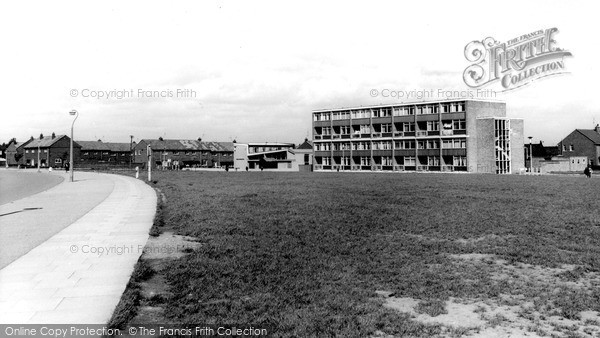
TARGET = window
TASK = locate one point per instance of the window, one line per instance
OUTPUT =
(45, 151)
(409, 161)
(460, 161)
(326, 130)
(564, 147)
(405, 144)
(401, 111)
(57, 161)
(386, 128)
(383, 145)
(345, 160)
(138, 152)
(433, 144)
(26, 151)
(345, 129)
(86, 153)
(365, 129)
(459, 124)
(433, 125)
(408, 126)
(364, 160)
(571, 147)
(421, 144)
(326, 160)
(433, 160)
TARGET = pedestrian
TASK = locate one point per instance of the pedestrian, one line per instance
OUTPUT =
(588, 172)
(66, 166)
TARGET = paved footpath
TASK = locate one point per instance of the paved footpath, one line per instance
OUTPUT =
(77, 274)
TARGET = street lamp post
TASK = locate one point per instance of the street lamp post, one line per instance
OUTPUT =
(530, 155)
(38, 153)
(71, 164)
(130, 151)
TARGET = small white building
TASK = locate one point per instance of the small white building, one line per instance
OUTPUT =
(272, 156)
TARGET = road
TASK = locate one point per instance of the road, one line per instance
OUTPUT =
(17, 184)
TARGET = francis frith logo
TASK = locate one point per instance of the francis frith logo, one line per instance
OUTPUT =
(514, 63)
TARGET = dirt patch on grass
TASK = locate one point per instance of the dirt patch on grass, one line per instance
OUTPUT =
(169, 246)
(147, 296)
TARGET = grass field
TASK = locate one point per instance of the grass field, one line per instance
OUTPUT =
(345, 254)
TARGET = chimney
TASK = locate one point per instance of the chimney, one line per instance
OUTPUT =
(199, 139)
(53, 135)
(597, 129)
(41, 136)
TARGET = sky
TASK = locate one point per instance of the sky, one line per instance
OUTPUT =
(254, 71)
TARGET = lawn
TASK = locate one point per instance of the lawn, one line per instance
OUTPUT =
(305, 253)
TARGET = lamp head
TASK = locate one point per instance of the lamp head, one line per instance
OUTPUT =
(73, 112)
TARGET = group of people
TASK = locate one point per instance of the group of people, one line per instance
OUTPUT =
(588, 172)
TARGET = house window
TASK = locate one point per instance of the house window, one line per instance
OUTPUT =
(571, 147)
(86, 153)
(345, 129)
(386, 160)
(327, 131)
(58, 161)
(564, 147)
(26, 151)
(364, 160)
(326, 160)
(45, 150)
(138, 152)
(409, 161)
(386, 128)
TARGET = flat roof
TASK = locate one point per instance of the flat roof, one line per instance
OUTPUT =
(406, 104)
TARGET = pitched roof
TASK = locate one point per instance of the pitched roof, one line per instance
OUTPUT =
(121, 147)
(93, 145)
(539, 150)
(306, 145)
(591, 134)
(45, 142)
(184, 145)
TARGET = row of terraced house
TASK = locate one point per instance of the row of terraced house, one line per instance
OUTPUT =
(53, 151)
